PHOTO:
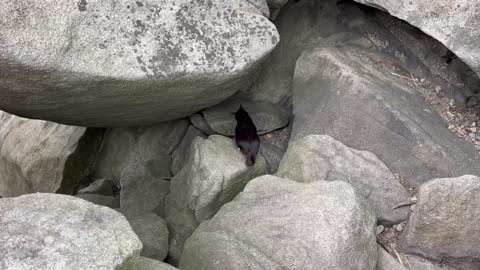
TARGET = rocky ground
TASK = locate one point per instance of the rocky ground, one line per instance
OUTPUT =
(369, 129)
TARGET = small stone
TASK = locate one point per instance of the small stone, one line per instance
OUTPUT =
(399, 227)
(423, 80)
(380, 229)
(474, 124)
(438, 89)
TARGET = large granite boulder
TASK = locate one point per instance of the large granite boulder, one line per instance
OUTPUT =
(52, 231)
(341, 88)
(214, 174)
(455, 23)
(444, 223)
(40, 156)
(127, 63)
(320, 157)
(281, 224)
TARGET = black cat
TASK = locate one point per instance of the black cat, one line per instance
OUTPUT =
(246, 136)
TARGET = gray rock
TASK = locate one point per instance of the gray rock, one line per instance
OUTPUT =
(275, 6)
(444, 224)
(445, 20)
(262, 6)
(103, 186)
(281, 224)
(115, 63)
(267, 116)
(181, 154)
(272, 154)
(152, 231)
(199, 122)
(320, 157)
(419, 263)
(39, 156)
(214, 175)
(148, 146)
(141, 191)
(142, 263)
(341, 91)
(387, 261)
(52, 231)
(108, 201)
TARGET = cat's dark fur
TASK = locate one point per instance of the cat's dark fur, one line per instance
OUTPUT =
(246, 136)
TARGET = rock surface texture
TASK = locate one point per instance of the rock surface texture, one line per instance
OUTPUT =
(387, 261)
(152, 231)
(142, 263)
(281, 224)
(455, 23)
(40, 156)
(127, 63)
(142, 192)
(320, 157)
(444, 224)
(182, 153)
(51, 231)
(139, 150)
(341, 89)
(214, 175)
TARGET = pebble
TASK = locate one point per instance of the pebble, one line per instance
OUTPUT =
(380, 229)
(399, 227)
(472, 129)
(438, 89)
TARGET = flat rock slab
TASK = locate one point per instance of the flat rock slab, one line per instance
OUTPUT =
(444, 223)
(199, 122)
(342, 90)
(127, 63)
(41, 156)
(320, 157)
(282, 224)
(266, 116)
(52, 231)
